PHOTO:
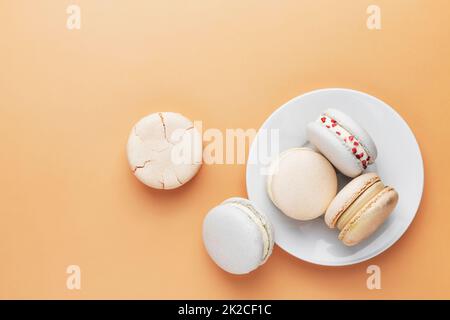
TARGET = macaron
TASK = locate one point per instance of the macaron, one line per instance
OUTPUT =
(301, 183)
(343, 141)
(164, 150)
(237, 236)
(360, 208)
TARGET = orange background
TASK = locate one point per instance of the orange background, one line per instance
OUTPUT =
(68, 100)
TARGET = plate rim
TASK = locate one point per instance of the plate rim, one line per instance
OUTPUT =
(422, 173)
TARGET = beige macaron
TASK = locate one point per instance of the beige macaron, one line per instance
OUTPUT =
(164, 150)
(301, 183)
(360, 208)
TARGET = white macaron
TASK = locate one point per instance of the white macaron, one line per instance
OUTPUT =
(343, 141)
(301, 183)
(164, 150)
(237, 236)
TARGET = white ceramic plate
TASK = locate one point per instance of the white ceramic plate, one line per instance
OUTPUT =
(399, 164)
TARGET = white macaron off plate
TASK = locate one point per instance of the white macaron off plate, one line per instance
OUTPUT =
(398, 164)
(237, 236)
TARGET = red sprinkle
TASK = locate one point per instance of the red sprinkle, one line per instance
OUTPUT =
(359, 156)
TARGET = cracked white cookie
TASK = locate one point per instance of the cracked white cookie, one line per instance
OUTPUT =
(164, 150)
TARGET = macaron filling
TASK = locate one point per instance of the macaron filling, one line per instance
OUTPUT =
(370, 193)
(256, 217)
(347, 138)
(354, 220)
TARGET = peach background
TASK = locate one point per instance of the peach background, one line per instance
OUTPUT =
(69, 98)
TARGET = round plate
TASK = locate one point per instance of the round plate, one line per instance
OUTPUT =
(399, 164)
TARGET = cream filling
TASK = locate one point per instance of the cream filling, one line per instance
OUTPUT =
(359, 203)
(353, 222)
(349, 140)
(352, 199)
(256, 218)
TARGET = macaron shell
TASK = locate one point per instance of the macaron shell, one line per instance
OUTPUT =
(334, 149)
(232, 239)
(358, 131)
(347, 195)
(263, 227)
(145, 144)
(164, 150)
(367, 221)
(265, 223)
(359, 203)
(302, 183)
